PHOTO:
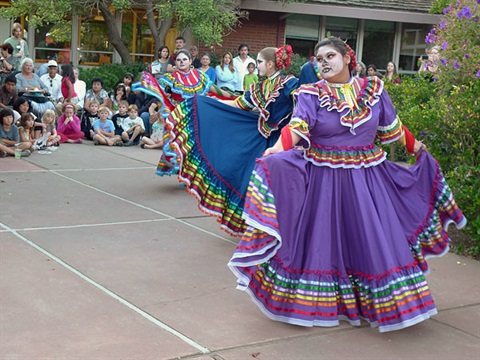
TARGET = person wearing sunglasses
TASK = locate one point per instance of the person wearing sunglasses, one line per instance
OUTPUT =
(53, 81)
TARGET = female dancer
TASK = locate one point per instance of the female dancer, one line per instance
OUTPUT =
(218, 174)
(172, 89)
(336, 231)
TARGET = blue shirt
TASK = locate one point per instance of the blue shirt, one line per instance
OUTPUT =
(107, 126)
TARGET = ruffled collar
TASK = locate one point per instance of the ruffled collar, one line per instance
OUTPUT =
(353, 99)
(187, 84)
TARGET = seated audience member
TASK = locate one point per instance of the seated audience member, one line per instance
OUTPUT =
(156, 139)
(143, 104)
(8, 62)
(80, 88)
(128, 82)
(8, 93)
(29, 85)
(133, 127)
(53, 82)
(21, 106)
(26, 130)
(120, 117)
(10, 137)
(104, 130)
(68, 127)
(119, 95)
(97, 92)
(49, 119)
(89, 116)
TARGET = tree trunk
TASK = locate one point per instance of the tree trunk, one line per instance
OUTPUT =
(159, 29)
(113, 34)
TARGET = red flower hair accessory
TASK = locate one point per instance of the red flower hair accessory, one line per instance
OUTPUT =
(282, 56)
(353, 58)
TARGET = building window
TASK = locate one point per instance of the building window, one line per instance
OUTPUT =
(344, 28)
(378, 42)
(52, 42)
(302, 33)
(95, 49)
(412, 47)
(137, 36)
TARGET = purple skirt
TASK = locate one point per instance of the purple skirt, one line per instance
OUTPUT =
(327, 244)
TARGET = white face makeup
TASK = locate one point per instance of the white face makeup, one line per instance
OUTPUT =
(261, 66)
(332, 64)
(183, 62)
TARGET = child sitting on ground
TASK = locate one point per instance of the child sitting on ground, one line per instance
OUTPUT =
(133, 127)
(120, 117)
(48, 119)
(69, 127)
(9, 137)
(89, 117)
(26, 130)
(155, 141)
(105, 130)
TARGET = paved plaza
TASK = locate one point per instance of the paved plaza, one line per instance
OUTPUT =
(102, 259)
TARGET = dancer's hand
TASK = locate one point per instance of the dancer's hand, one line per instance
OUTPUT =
(273, 150)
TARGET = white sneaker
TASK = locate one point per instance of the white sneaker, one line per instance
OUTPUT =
(52, 148)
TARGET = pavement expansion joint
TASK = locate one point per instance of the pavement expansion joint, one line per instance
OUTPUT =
(112, 294)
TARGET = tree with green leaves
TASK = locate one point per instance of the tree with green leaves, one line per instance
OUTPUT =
(206, 20)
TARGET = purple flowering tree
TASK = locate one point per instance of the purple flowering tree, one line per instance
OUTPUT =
(453, 122)
(458, 36)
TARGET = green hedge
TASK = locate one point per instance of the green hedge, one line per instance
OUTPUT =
(111, 74)
(449, 125)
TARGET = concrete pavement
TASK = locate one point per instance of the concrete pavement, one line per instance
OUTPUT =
(102, 259)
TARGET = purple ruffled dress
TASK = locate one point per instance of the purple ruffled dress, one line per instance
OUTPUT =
(335, 230)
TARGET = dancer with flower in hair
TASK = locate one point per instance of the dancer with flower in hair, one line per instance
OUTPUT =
(335, 230)
(218, 141)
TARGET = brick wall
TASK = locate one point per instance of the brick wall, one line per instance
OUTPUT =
(260, 30)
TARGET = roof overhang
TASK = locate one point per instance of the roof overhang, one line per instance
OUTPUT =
(341, 11)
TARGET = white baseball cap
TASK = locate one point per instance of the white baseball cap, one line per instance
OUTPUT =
(52, 63)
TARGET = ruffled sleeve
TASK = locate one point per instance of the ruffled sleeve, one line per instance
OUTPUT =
(389, 127)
